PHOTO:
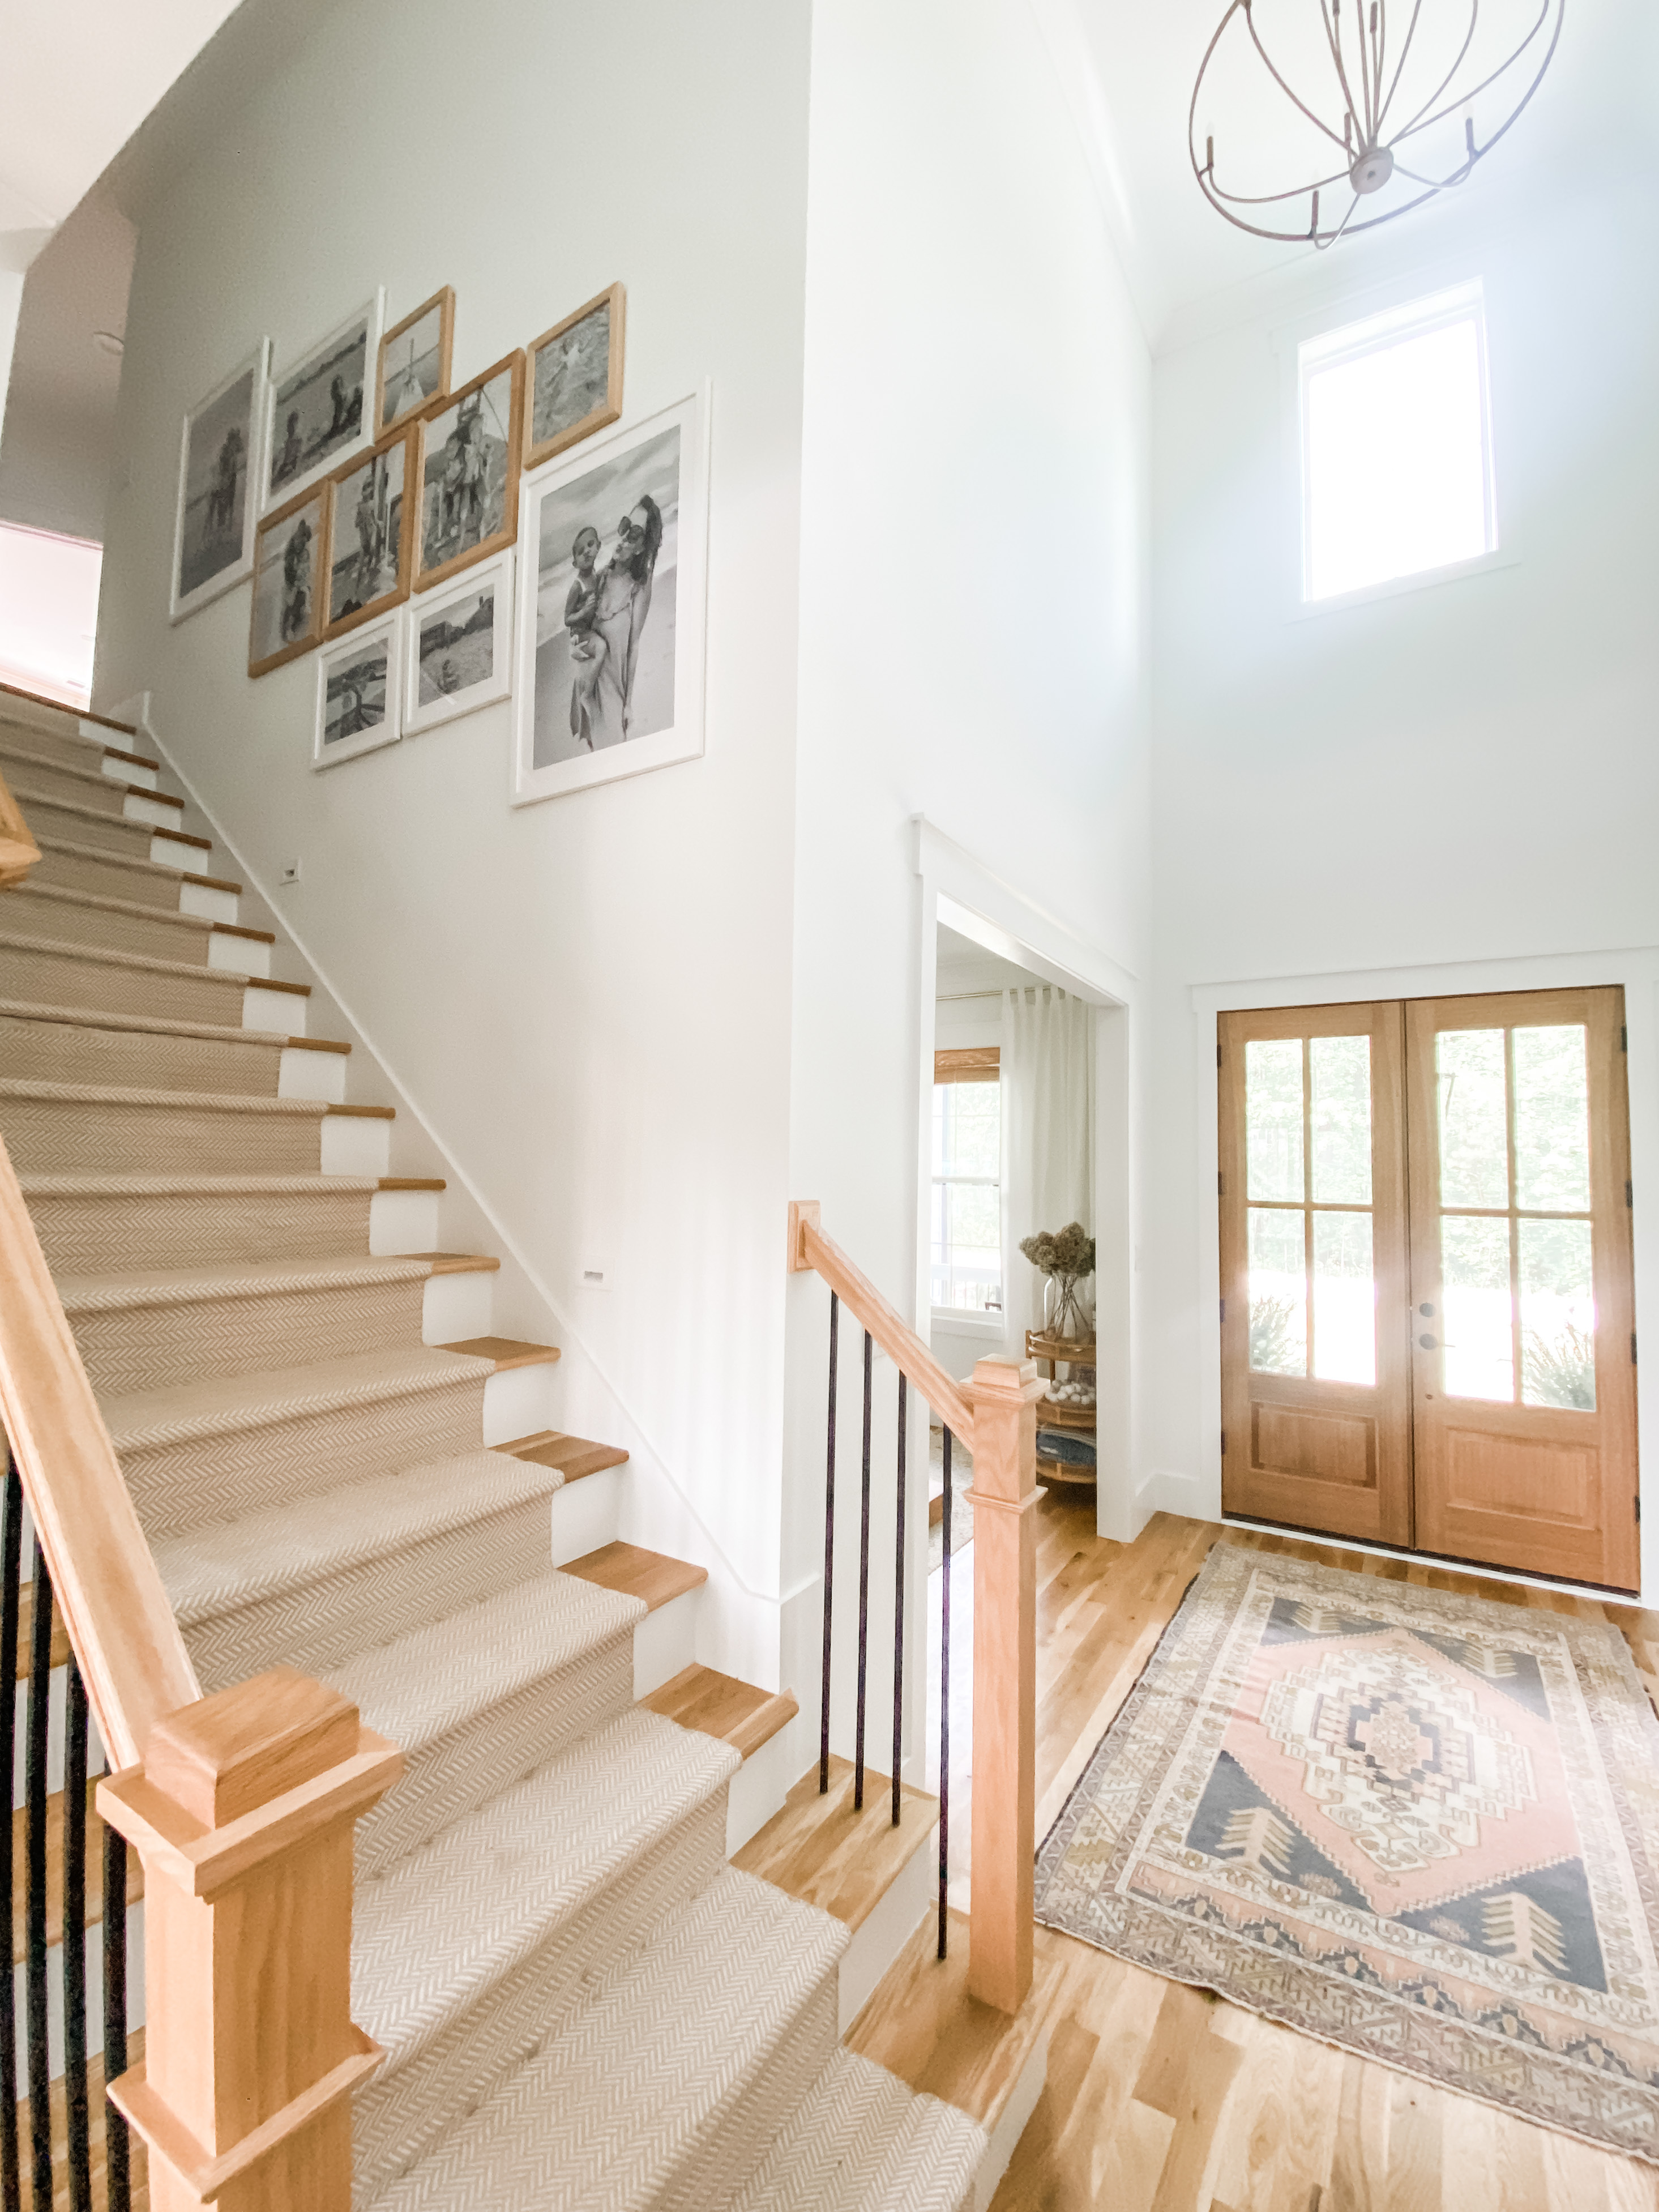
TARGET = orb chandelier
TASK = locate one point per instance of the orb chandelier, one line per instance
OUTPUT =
(1329, 117)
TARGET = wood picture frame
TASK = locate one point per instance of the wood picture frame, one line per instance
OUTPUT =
(457, 647)
(359, 681)
(407, 372)
(469, 498)
(372, 550)
(560, 358)
(308, 430)
(275, 636)
(216, 512)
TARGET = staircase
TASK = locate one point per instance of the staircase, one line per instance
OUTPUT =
(337, 1465)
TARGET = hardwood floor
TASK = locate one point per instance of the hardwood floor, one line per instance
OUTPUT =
(1163, 2099)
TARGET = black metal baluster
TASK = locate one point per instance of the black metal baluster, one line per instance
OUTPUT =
(117, 2184)
(944, 1716)
(829, 1547)
(898, 1610)
(36, 1724)
(75, 1940)
(864, 1577)
(11, 1565)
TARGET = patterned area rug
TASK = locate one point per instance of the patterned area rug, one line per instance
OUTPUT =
(1422, 1826)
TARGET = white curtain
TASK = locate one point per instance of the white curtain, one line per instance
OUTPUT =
(1047, 1123)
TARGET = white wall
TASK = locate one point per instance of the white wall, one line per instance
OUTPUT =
(1462, 773)
(587, 1001)
(973, 607)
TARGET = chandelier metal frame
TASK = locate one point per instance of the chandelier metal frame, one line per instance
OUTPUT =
(1366, 81)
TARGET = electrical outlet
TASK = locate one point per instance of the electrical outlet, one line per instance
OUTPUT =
(288, 873)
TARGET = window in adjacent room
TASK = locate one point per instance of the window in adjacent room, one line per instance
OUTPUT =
(967, 1226)
(1396, 445)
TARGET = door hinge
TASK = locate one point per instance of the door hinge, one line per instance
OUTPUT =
(1221, 1188)
(1223, 1309)
(1627, 1192)
(1633, 1347)
(1217, 1052)
(1624, 1036)
(1223, 1444)
(1639, 1508)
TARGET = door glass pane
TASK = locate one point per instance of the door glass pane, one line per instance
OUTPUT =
(1272, 1118)
(1340, 1110)
(1344, 1300)
(1475, 1332)
(1278, 1296)
(1552, 1120)
(1557, 1310)
(1474, 1169)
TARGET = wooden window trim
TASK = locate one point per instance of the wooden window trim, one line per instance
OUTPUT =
(970, 1063)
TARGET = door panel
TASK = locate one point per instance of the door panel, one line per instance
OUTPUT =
(1522, 1382)
(1314, 1360)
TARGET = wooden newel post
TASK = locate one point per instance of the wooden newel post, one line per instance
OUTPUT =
(243, 1813)
(1004, 1395)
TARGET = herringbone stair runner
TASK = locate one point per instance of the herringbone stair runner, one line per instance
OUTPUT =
(581, 2004)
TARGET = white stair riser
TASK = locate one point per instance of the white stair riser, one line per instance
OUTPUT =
(210, 905)
(586, 1513)
(241, 956)
(158, 812)
(355, 1145)
(519, 1403)
(129, 772)
(666, 1641)
(456, 1307)
(407, 1221)
(174, 853)
(884, 1933)
(95, 1955)
(1010, 2125)
(283, 1012)
(759, 1788)
(302, 1074)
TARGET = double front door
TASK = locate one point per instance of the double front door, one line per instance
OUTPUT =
(1427, 1319)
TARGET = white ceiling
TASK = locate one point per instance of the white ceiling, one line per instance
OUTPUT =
(1129, 68)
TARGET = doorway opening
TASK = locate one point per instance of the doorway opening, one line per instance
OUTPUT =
(1427, 1296)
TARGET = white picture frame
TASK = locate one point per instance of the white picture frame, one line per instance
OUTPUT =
(203, 438)
(299, 406)
(574, 729)
(377, 647)
(459, 601)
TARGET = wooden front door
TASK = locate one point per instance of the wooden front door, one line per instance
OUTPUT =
(1522, 1345)
(1314, 1360)
(1427, 1309)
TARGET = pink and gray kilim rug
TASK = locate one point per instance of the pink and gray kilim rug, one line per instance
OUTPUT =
(1424, 1827)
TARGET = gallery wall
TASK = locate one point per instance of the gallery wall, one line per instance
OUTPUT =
(1458, 777)
(586, 999)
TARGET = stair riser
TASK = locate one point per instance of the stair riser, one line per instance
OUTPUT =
(87, 1236)
(59, 780)
(76, 871)
(82, 1137)
(60, 978)
(445, 1780)
(399, 2114)
(179, 1486)
(152, 1346)
(153, 935)
(722, 2157)
(328, 1623)
(133, 1059)
(49, 816)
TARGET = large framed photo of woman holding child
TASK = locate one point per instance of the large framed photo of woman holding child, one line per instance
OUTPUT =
(612, 551)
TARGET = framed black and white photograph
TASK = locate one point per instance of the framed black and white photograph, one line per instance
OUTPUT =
(290, 566)
(457, 646)
(218, 481)
(319, 405)
(370, 535)
(414, 361)
(357, 686)
(469, 473)
(612, 546)
(575, 377)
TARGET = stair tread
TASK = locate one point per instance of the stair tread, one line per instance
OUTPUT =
(129, 910)
(193, 1102)
(822, 1852)
(91, 776)
(29, 798)
(552, 1843)
(106, 956)
(576, 1457)
(652, 1576)
(98, 1018)
(119, 1289)
(143, 1419)
(630, 2089)
(426, 1685)
(861, 2142)
(20, 1880)
(181, 1186)
(229, 1564)
(505, 1352)
(716, 1704)
(71, 850)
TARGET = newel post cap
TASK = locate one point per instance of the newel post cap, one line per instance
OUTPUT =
(228, 1754)
(1004, 1383)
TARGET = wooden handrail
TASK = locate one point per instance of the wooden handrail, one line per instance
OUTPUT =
(810, 1249)
(18, 851)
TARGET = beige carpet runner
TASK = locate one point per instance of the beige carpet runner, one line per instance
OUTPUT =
(582, 2004)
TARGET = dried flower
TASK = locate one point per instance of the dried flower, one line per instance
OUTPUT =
(1068, 1251)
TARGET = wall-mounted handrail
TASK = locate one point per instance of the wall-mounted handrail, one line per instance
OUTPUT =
(18, 851)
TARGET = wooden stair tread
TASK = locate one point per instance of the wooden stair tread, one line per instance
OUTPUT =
(19, 1873)
(821, 1850)
(573, 1456)
(457, 1263)
(633, 1571)
(505, 1351)
(720, 1705)
(412, 1182)
(97, 2112)
(60, 1642)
